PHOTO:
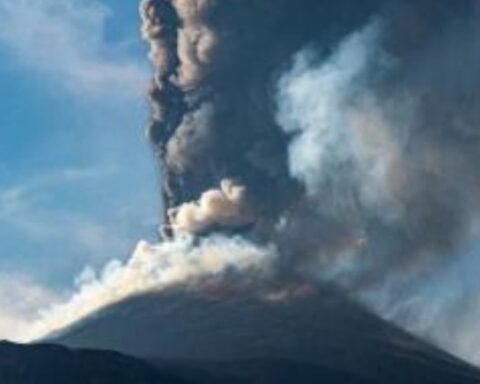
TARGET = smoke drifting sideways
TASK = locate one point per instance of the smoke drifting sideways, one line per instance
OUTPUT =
(327, 141)
(367, 146)
(386, 137)
(154, 268)
(356, 158)
(386, 140)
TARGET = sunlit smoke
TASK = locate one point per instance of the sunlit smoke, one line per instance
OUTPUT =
(153, 268)
(225, 207)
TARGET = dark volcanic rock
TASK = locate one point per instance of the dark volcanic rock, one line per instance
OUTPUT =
(321, 331)
(52, 364)
(261, 372)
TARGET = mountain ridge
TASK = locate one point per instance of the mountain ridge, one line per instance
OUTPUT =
(323, 329)
(50, 364)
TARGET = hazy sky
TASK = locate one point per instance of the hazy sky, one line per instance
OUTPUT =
(77, 181)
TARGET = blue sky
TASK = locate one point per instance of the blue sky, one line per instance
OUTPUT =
(78, 185)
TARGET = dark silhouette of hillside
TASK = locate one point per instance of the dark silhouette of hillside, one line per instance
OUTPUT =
(322, 335)
(53, 364)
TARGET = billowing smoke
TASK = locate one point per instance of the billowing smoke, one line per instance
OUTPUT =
(357, 148)
(151, 268)
(213, 114)
(222, 208)
(342, 135)
(351, 129)
(385, 139)
(385, 135)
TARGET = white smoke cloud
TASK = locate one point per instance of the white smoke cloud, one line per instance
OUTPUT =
(443, 307)
(225, 207)
(151, 268)
(341, 135)
(21, 299)
(347, 139)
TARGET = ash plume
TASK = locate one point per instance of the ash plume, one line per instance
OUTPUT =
(386, 135)
(355, 149)
(222, 207)
(352, 129)
(213, 116)
(338, 140)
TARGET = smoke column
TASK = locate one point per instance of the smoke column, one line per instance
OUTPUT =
(350, 129)
(213, 115)
(320, 141)
(356, 148)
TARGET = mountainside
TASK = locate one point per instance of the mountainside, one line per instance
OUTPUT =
(261, 371)
(243, 335)
(51, 364)
(48, 363)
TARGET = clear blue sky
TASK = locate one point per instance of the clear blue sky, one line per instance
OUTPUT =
(77, 182)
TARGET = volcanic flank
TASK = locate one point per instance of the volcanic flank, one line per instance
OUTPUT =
(244, 336)
(311, 152)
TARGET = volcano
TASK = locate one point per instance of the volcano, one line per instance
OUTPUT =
(302, 336)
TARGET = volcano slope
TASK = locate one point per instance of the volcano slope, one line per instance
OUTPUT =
(306, 336)
(49, 364)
